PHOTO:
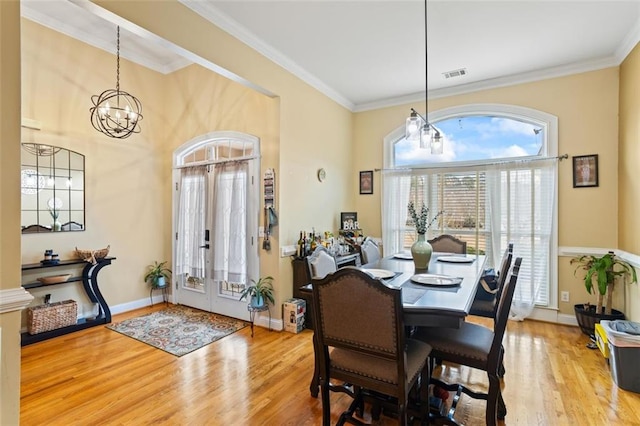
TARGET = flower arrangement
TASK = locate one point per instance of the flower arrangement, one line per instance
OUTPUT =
(54, 213)
(420, 221)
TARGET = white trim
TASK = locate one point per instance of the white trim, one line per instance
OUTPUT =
(14, 299)
(552, 316)
(261, 320)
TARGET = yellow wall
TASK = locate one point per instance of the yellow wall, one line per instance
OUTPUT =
(587, 109)
(126, 181)
(9, 207)
(629, 203)
(315, 132)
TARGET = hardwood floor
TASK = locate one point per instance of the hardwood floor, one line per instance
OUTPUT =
(100, 377)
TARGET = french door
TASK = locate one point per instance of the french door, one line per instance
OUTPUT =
(216, 222)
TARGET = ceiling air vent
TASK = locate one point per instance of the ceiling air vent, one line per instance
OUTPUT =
(455, 73)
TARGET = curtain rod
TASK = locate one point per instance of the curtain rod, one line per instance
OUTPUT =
(442, 166)
(213, 162)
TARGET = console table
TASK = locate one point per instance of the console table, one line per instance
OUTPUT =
(89, 279)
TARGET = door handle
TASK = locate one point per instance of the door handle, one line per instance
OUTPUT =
(206, 246)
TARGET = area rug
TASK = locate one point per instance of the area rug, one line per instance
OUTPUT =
(178, 329)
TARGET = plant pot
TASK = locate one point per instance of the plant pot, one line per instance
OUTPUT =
(257, 301)
(159, 282)
(587, 319)
(421, 251)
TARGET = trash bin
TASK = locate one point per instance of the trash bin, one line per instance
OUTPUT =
(624, 352)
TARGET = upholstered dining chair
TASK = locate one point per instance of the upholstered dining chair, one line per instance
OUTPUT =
(369, 251)
(448, 244)
(477, 347)
(486, 307)
(321, 263)
(361, 341)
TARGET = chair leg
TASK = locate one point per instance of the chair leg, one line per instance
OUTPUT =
(494, 395)
(326, 405)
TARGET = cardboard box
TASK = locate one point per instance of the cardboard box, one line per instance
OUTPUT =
(293, 311)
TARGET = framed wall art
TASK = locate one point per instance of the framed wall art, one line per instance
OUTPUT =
(366, 182)
(585, 171)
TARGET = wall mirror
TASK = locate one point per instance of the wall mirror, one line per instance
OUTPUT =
(52, 186)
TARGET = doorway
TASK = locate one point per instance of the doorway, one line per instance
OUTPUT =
(215, 216)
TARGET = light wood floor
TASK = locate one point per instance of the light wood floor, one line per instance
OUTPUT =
(100, 377)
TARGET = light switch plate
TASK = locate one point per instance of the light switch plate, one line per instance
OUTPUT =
(287, 251)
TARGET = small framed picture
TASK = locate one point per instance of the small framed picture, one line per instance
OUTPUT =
(366, 182)
(348, 220)
(585, 171)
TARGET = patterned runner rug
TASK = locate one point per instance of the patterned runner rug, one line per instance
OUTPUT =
(178, 329)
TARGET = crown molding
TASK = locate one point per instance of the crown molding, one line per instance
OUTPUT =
(208, 11)
(137, 57)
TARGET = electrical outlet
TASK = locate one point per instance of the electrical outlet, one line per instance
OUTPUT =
(564, 296)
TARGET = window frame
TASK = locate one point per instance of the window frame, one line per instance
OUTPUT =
(548, 122)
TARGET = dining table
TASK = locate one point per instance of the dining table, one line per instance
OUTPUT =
(439, 296)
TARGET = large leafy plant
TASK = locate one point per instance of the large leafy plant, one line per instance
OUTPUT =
(263, 288)
(156, 271)
(603, 271)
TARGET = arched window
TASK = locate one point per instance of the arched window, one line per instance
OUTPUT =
(495, 183)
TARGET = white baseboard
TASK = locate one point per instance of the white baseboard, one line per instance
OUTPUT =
(553, 316)
(263, 321)
(260, 320)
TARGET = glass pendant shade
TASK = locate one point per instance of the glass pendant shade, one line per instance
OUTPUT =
(436, 144)
(425, 136)
(412, 129)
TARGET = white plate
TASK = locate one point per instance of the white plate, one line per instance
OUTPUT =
(403, 256)
(436, 280)
(456, 259)
(380, 273)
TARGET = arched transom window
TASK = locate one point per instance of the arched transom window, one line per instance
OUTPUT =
(495, 183)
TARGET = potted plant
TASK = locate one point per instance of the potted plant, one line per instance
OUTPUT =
(261, 292)
(603, 271)
(158, 274)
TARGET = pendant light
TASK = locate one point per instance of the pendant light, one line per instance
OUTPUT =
(116, 113)
(417, 128)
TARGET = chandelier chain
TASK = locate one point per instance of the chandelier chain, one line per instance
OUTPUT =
(426, 66)
(118, 61)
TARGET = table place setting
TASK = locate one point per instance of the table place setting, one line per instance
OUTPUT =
(403, 256)
(455, 259)
(436, 280)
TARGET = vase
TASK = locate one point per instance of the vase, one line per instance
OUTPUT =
(56, 226)
(421, 251)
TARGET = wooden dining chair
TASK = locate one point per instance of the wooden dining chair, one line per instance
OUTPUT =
(369, 251)
(486, 306)
(360, 333)
(321, 263)
(446, 243)
(477, 347)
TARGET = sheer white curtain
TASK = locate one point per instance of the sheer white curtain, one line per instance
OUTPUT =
(397, 186)
(230, 223)
(521, 204)
(191, 222)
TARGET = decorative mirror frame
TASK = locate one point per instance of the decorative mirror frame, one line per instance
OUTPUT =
(52, 186)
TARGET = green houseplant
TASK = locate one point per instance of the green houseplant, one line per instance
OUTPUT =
(261, 292)
(158, 274)
(602, 271)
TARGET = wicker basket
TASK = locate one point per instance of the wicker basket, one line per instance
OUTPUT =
(51, 316)
(92, 255)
